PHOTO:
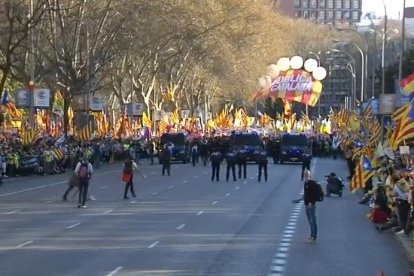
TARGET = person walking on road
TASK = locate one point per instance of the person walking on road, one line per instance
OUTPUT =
(306, 162)
(166, 160)
(128, 173)
(194, 154)
(310, 197)
(216, 158)
(84, 171)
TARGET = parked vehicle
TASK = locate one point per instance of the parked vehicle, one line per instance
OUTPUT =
(249, 143)
(180, 148)
(293, 147)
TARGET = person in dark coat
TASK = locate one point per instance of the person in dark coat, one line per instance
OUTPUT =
(242, 163)
(306, 162)
(166, 156)
(231, 160)
(216, 158)
(261, 160)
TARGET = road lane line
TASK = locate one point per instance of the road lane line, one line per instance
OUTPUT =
(49, 201)
(112, 273)
(181, 227)
(214, 202)
(50, 185)
(154, 193)
(172, 186)
(185, 181)
(107, 212)
(196, 176)
(199, 213)
(237, 188)
(153, 244)
(24, 244)
(134, 201)
(228, 194)
(73, 225)
(245, 182)
(12, 212)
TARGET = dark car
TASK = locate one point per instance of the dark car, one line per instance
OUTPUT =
(249, 143)
(179, 144)
(293, 147)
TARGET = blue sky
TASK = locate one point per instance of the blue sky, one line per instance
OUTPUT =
(393, 7)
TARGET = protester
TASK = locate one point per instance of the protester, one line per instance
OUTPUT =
(127, 176)
(84, 171)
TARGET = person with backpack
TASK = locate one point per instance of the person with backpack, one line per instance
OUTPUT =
(84, 172)
(166, 156)
(312, 193)
(127, 175)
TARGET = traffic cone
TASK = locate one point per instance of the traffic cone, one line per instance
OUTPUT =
(381, 273)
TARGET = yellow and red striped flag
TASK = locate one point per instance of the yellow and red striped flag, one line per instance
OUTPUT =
(401, 112)
(85, 134)
(368, 111)
(363, 172)
(407, 85)
(146, 122)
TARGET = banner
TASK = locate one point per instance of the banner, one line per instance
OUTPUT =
(96, 103)
(41, 98)
(387, 103)
(58, 103)
(23, 98)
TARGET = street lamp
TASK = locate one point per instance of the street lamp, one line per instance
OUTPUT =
(362, 66)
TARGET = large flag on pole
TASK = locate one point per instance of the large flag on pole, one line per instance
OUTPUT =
(363, 172)
(407, 85)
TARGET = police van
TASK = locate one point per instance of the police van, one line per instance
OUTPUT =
(293, 147)
(247, 143)
(180, 147)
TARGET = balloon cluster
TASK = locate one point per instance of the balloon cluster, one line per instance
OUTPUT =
(296, 62)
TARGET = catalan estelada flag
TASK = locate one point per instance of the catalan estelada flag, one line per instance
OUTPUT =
(86, 132)
(363, 172)
(407, 85)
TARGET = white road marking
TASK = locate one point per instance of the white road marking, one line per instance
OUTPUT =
(49, 201)
(24, 244)
(286, 240)
(12, 212)
(291, 227)
(283, 249)
(288, 232)
(245, 182)
(181, 227)
(292, 223)
(281, 255)
(199, 213)
(153, 244)
(91, 197)
(277, 268)
(284, 244)
(107, 212)
(115, 271)
(134, 201)
(214, 202)
(228, 194)
(154, 193)
(279, 262)
(196, 176)
(172, 186)
(237, 188)
(185, 181)
(287, 235)
(50, 185)
(73, 225)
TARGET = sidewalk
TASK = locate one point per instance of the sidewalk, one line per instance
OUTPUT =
(342, 171)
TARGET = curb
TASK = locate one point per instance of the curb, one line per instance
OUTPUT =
(406, 246)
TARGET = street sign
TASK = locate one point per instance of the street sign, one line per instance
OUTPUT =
(387, 104)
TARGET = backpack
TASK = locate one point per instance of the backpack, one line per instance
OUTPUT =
(128, 167)
(83, 171)
(318, 192)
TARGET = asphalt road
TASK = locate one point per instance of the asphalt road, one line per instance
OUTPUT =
(187, 225)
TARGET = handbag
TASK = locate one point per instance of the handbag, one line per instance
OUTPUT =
(126, 177)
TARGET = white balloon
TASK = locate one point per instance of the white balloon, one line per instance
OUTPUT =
(273, 71)
(296, 62)
(262, 82)
(311, 65)
(268, 80)
(319, 73)
(283, 64)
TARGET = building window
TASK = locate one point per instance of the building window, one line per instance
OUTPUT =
(313, 4)
(338, 15)
(305, 4)
(306, 14)
(347, 4)
(355, 15)
(298, 14)
(313, 15)
(297, 3)
(330, 4)
(330, 15)
(322, 4)
(355, 4)
(347, 15)
(339, 4)
(321, 15)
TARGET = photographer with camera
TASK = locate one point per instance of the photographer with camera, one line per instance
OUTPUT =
(335, 185)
